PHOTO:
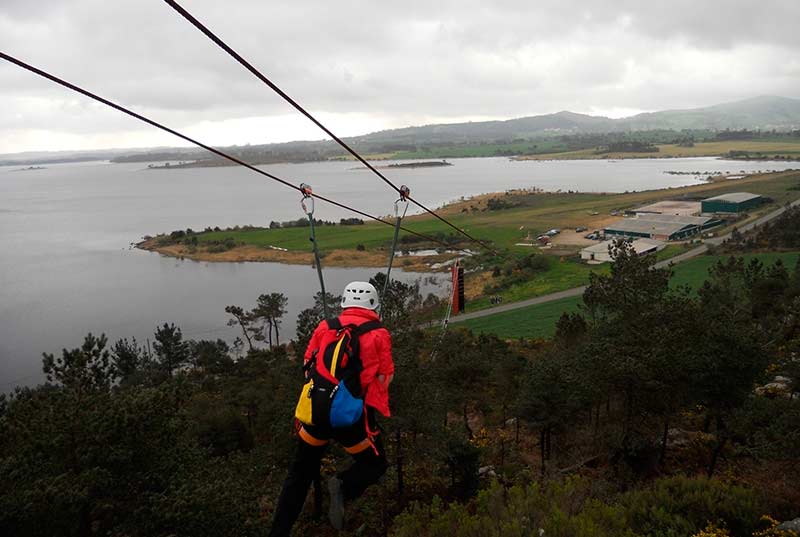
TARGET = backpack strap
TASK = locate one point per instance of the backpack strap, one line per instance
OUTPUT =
(334, 324)
(368, 326)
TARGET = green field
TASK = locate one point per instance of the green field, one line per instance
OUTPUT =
(789, 148)
(534, 213)
(485, 150)
(539, 321)
(562, 275)
(528, 212)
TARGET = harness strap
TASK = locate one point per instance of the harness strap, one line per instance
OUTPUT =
(310, 440)
(358, 448)
(370, 433)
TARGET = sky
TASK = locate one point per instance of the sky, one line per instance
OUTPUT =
(366, 66)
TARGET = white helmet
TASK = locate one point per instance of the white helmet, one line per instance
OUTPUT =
(360, 295)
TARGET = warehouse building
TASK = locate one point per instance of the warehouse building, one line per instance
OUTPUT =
(735, 202)
(665, 227)
(674, 207)
(599, 253)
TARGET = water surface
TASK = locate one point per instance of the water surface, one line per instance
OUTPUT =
(66, 267)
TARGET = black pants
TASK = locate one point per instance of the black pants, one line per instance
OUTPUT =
(366, 470)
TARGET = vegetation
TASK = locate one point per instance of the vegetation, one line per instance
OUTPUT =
(535, 211)
(539, 321)
(606, 429)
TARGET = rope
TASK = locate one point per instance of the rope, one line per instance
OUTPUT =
(218, 152)
(445, 324)
(308, 196)
(247, 65)
(397, 219)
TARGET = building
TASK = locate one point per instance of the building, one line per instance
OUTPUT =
(673, 207)
(666, 227)
(735, 202)
(598, 253)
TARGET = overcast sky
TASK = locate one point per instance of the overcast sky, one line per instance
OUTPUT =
(366, 66)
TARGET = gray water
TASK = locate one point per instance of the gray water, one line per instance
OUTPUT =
(66, 267)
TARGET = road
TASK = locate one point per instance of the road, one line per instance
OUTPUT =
(578, 291)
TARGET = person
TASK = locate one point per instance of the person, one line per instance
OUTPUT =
(361, 440)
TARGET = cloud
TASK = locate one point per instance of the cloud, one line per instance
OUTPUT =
(378, 64)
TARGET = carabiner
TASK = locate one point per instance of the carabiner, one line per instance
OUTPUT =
(308, 195)
(405, 193)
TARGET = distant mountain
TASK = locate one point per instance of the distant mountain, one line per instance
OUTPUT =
(758, 113)
(764, 113)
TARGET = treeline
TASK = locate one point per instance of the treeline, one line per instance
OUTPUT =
(193, 437)
(303, 222)
(629, 146)
(746, 134)
(782, 233)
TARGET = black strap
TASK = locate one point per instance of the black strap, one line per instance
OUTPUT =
(357, 330)
(368, 326)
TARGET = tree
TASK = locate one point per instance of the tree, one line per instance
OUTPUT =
(171, 350)
(630, 289)
(398, 302)
(733, 352)
(244, 321)
(548, 398)
(130, 361)
(308, 319)
(269, 309)
(210, 356)
(86, 369)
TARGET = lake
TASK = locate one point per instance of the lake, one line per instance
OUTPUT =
(65, 232)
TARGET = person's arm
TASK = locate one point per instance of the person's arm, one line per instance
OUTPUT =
(386, 367)
(313, 343)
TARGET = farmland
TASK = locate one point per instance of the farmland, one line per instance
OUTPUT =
(539, 321)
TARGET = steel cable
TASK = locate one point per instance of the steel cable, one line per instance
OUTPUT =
(258, 74)
(218, 152)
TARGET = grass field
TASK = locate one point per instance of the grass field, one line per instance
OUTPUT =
(701, 149)
(562, 275)
(536, 214)
(539, 321)
(484, 150)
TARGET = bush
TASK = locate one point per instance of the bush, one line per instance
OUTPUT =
(556, 509)
(683, 506)
(673, 507)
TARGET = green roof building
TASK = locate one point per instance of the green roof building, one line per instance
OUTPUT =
(735, 202)
(667, 227)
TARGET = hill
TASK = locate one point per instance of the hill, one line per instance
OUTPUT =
(759, 113)
(513, 136)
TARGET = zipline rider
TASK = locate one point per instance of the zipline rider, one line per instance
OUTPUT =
(354, 352)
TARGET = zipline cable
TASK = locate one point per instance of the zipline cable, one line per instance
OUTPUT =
(87, 93)
(258, 74)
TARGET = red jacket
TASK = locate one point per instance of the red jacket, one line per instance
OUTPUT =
(376, 356)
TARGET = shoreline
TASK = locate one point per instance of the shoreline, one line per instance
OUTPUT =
(516, 214)
(339, 258)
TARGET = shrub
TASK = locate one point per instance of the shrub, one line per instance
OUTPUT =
(683, 506)
(555, 510)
